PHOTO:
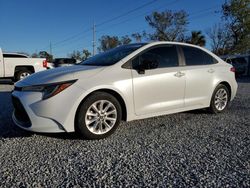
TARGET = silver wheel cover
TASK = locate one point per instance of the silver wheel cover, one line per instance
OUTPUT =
(221, 99)
(101, 117)
(24, 75)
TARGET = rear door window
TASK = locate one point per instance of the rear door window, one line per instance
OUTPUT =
(195, 56)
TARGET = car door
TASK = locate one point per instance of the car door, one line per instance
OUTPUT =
(200, 72)
(158, 85)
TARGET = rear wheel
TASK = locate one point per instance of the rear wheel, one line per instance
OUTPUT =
(219, 99)
(98, 116)
(22, 74)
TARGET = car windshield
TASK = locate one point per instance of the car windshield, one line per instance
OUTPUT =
(112, 56)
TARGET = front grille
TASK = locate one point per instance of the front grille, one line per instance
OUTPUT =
(20, 113)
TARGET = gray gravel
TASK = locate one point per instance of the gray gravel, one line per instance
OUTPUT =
(186, 149)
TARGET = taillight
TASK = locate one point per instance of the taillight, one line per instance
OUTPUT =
(232, 69)
(45, 64)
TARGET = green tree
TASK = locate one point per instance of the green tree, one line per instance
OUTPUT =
(220, 39)
(85, 54)
(197, 38)
(76, 55)
(34, 55)
(168, 25)
(236, 14)
(108, 42)
(80, 56)
(125, 40)
(44, 54)
(137, 37)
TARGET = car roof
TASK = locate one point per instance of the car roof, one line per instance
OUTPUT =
(145, 46)
(173, 43)
(154, 43)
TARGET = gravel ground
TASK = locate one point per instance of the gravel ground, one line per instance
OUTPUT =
(186, 149)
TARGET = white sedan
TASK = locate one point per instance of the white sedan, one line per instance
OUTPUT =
(129, 82)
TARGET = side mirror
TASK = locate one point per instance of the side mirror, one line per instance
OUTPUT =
(141, 70)
(146, 65)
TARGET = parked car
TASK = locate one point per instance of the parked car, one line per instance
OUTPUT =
(240, 63)
(61, 62)
(18, 66)
(129, 82)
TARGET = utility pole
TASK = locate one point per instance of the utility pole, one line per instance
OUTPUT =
(50, 48)
(94, 44)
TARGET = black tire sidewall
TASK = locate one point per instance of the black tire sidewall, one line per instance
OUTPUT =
(80, 117)
(213, 109)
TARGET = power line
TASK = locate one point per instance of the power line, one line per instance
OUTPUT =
(192, 15)
(104, 22)
(75, 37)
(204, 10)
(204, 14)
(72, 37)
(139, 30)
(126, 13)
(122, 15)
(136, 16)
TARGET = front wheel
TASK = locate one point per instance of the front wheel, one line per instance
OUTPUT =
(219, 99)
(98, 116)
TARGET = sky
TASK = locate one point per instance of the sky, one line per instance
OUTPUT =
(32, 25)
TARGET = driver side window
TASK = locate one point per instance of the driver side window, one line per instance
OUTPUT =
(145, 61)
(159, 57)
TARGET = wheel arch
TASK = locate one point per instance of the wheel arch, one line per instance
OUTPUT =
(228, 86)
(26, 67)
(109, 91)
(225, 83)
(20, 68)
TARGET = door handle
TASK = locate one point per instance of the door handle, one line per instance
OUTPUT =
(179, 74)
(210, 70)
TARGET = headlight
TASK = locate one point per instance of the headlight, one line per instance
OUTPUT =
(49, 90)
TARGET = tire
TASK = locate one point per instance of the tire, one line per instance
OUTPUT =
(22, 74)
(220, 99)
(91, 123)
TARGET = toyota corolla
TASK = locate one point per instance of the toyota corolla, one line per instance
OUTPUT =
(129, 82)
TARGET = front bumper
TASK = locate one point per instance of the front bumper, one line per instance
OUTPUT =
(32, 122)
(52, 115)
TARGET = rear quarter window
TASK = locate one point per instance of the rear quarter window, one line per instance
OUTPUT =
(195, 56)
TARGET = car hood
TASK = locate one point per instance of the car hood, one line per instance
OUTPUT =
(60, 74)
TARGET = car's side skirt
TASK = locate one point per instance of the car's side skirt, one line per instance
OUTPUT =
(196, 107)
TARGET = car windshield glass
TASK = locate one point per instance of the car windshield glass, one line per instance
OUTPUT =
(111, 57)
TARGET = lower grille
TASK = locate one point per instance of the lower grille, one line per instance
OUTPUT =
(20, 113)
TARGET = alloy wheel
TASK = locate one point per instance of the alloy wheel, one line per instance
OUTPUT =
(221, 99)
(100, 117)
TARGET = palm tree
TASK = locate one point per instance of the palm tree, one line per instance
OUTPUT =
(197, 38)
(137, 37)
